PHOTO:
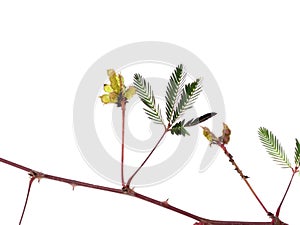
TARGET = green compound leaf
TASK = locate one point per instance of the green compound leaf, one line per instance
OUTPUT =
(297, 153)
(273, 147)
(200, 119)
(174, 89)
(188, 96)
(179, 129)
(145, 93)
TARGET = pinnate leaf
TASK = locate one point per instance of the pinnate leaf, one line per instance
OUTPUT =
(273, 147)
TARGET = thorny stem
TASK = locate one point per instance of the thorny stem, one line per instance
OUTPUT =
(203, 221)
(287, 189)
(275, 219)
(242, 176)
(27, 196)
(125, 190)
(123, 107)
(143, 163)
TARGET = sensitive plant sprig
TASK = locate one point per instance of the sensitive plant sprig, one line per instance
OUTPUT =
(273, 148)
(117, 93)
(179, 98)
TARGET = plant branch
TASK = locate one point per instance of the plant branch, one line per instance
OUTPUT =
(244, 177)
(123, 108)
(287, 189)
(275, 219)
(125, 190)
(143, 163)
(203, 221)
(73, 183)
(26, 200)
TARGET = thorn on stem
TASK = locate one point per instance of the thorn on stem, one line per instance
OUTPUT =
(73, 186)
(127, 190)
(165, 203)
(36, 175)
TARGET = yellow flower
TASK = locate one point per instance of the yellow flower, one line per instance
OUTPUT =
(130, 91)
(116, 90)
(209, 135)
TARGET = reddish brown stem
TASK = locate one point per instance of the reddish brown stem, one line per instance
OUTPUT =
(27, 196)
(287, 189)
(242, 176)
(123, 107)
(73, 183)
(143, 163)
(24, 168)
(125, 190)
(203, 221)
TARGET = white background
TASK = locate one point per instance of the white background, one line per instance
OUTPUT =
(252, 48)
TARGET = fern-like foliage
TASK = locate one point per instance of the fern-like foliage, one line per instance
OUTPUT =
(188, 96)
(174, 88)
(297, 153)
(145, 93)
(273, 147)
(179, 97)
(179, 129)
